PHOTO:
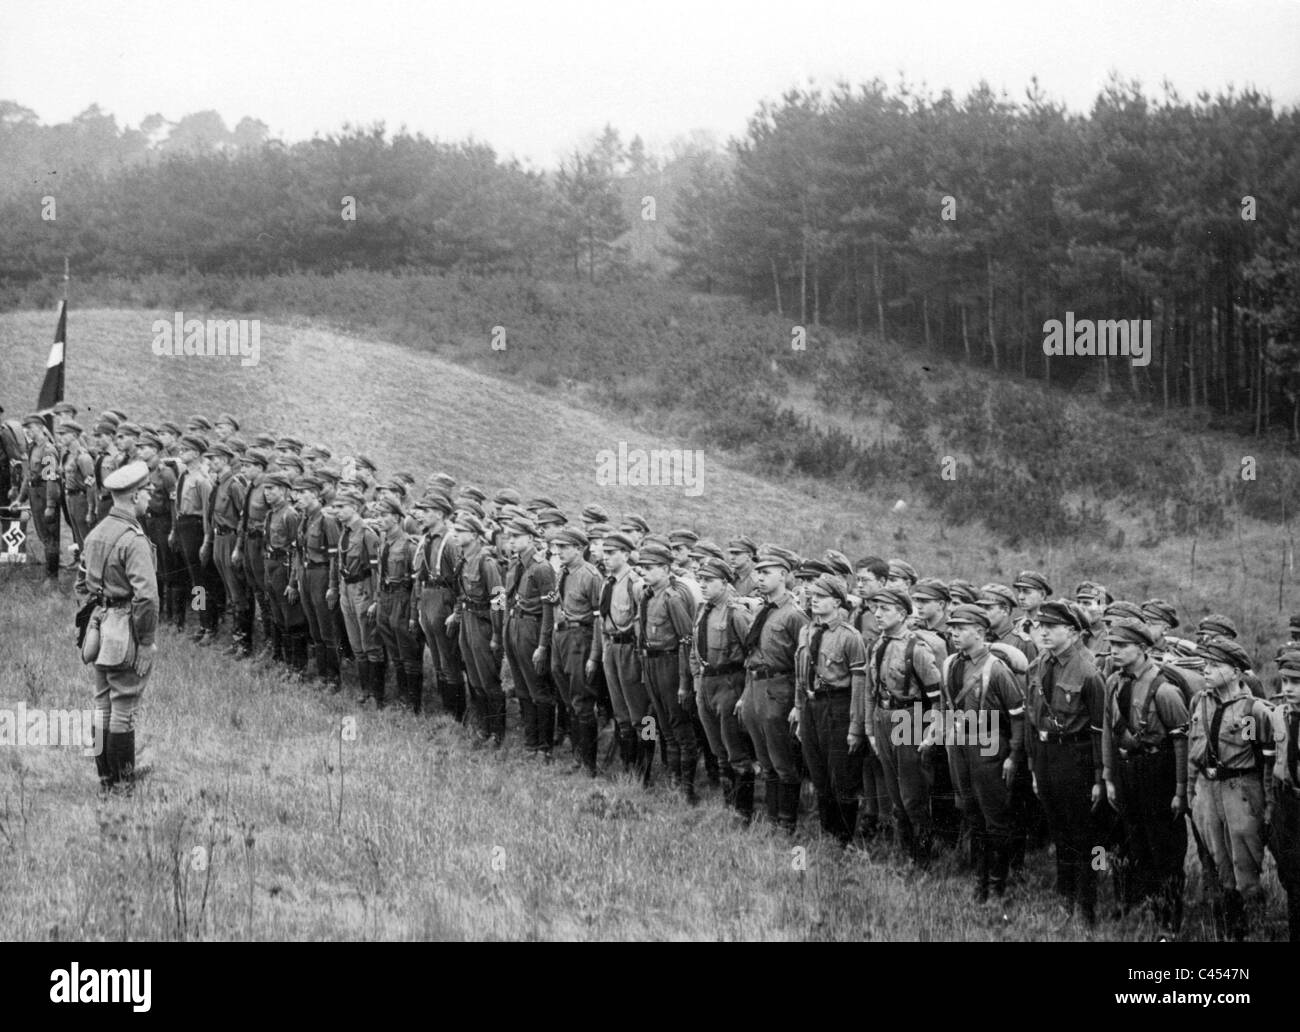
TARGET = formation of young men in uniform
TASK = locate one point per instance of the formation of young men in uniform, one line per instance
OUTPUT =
(918, 709)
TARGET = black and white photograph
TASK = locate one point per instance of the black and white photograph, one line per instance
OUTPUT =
(651, 472)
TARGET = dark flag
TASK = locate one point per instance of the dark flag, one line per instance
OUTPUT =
(52, 388)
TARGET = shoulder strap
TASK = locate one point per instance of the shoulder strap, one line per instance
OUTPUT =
(108, 554)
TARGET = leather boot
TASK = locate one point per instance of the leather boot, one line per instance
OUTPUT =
(334, 670)
(378, 679)
(745, 797)
(771, 789)
(363, 675)
(1234, 908)
(645, 761)
(528, 717)
(121, 759)
(236, 634)
(587, 738)
(728, 778)
(824, 818)
(923, 843)
(277, 643)
(1001, 864)
(400, 696)
(846, 821)
(415, 682)
(298, 644)
(788, 807)
(102, 768)
(688, 784)
(249, 623)
(627, 751)
(544, 718)
(980, 861)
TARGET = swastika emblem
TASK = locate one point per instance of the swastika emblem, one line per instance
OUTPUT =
(14, 538)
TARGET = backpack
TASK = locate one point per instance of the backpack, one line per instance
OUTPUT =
(1187, 679)
(1008, 657)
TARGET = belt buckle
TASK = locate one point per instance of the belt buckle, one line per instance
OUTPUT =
(1042, 736)
(1212, 773)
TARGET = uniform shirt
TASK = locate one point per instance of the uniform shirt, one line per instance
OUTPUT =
(163, 482)
(779, 638)
(226, 503)
(887, 673)
(480, 577)
(253, 522)
(530, 581)
(1065, 694)
(43, 470)
(1244, 725)
(77, 470)
(318, 537)
(436, 556)
(120, 567)
(841, 659)
(358, 552)
(667, 616)
(579, 595)
(192, 490)
(962, 690)
(937, 639)
(396, 554)
(1156, 711)
(282, 527)
(724, 624)
(1014, 638)
(1095, 641)
(1286, 745)
(621, 592)
(688, 581)
(864, 619)
(746, 586)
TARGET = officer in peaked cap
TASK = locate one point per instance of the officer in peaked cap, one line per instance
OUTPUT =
(117, 571)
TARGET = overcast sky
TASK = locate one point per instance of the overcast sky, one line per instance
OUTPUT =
(535, 77)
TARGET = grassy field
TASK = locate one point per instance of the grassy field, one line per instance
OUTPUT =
(404, 830)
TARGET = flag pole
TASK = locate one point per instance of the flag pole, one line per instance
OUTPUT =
(65, 314)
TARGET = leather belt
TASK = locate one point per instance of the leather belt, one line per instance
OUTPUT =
(890, 703)
(721, 669)
(830, 691)
(762, 673)
(355, 578)
(1061, 738)
(621, 637)
(277, 553)
(1226, 773)
(223, 531)
(659, 652)
(312, 564)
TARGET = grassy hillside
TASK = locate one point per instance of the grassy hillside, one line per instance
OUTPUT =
(248, 767)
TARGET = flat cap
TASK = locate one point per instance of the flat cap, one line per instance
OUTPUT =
(104, 427)
(329, 473)
(594, 513)
(239, 445)
(278, 479)
(257, 457)
(1064, 612)
(128, 477)
(707, 548)
(506, 496)
(1126, 630)
(196, 423)
(634, 521)
(389, 507)
(444, 480)
(220, 448)
(1159, 609)
(966, 613)
(349, 496)
(742, 543)
(1123, 608)
(830, 585)
(838, 562)
(477, 493)
(171, 427)
(1032, 580)
(765, 559)
(33, 419)
(470, 506)
(1224, 650)
(1288, 664)
(264, 440)
(654, 555)
(811, 569)
(1294, 623)
(70, 426)
(306, 482)
(64, 407)
(468, 521)
(111, 416)
(682, 536)
(541, 502)
(930, 589)
(290, 461)
(619, 541)
(362, 462)
(194, 442)
(1217, 625)
(1091, 589)
(599, 531)
(129, 429)
(963, 592)
(997, 595)
(520, 525)
(892, 597)
(575, 536)
(228, 419)
(289, 443)
(716, 568)
(903, 570)
(550, 516)
(145, 438)
(317, 451)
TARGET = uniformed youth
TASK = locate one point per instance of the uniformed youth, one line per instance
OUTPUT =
(189, 512)
(1282, 815)
(620, 656)
(404, 652)
(280, 543)
(479, 623)
(354, 586)
(529, 624)
(42, 491)
(576, 646)
(117, 569)
(317, 550)
(832, 663)
(77, 474)
(434, 595)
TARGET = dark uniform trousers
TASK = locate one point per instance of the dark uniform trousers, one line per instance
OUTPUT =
(189, 540)
(436, 604)
(835, 773)
(672, 718)
(232, 576)
(1155, 845)
(716, 703)
(320, 618)
(1284, 841)
(569, 669)
(157, 529)
(288, 618)
(1066, 774)
(523, 635)
(983, 796)
(255, 579)
(79, 521)
(876, 803)
(48, 528)
(482, 669)
(766, 716)
(403, 648)
(907, 776)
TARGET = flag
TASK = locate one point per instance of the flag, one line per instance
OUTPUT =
(52, 388)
